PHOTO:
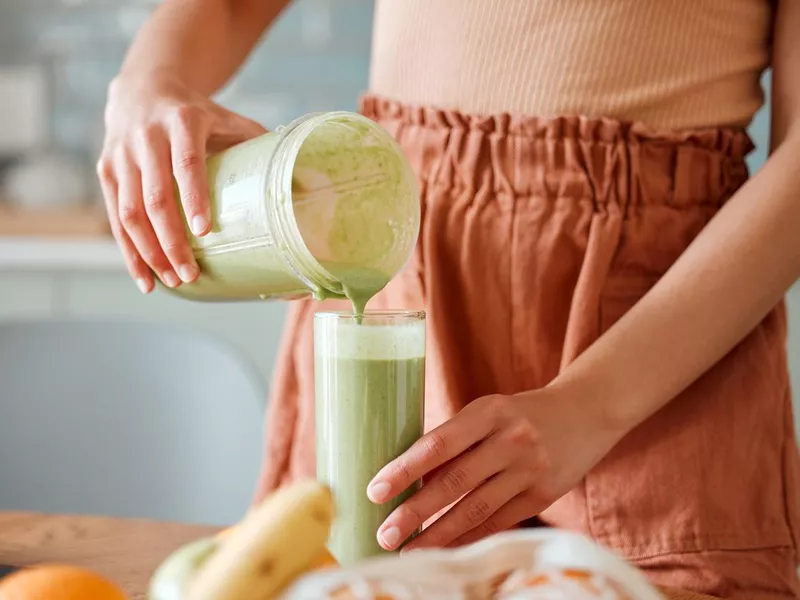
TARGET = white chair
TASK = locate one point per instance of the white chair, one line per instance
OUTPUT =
(127, 419)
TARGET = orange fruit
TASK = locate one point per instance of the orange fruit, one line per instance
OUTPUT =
(58, 582)
(324, 561)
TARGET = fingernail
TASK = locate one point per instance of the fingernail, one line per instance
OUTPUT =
(187, 272)
(379, 491)
(143, 285)
(199, 224)
(170, 279)
(390, 537)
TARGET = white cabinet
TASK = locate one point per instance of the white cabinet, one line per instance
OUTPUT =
(26, 294)
(253, 327)
(71, 281)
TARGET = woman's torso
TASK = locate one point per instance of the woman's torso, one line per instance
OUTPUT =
(668, 63)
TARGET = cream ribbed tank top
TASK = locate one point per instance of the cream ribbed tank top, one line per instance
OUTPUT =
(669, 63)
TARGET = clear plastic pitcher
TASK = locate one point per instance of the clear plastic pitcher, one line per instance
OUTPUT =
(324, 203)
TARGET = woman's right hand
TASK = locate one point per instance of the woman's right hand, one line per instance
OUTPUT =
(157, 129)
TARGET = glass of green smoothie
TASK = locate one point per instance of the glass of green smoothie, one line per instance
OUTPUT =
(370, 385)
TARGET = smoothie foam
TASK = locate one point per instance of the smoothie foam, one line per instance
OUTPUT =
(351, 340)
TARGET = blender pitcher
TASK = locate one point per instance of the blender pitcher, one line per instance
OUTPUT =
(325, 206)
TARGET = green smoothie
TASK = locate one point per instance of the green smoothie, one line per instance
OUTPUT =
(370, 383)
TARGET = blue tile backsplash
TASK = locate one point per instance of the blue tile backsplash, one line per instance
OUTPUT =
(759, 130)
(316, 57)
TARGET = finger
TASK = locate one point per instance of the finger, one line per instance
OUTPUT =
(430, 452)
(472, 510)
(136, 267)
(161, 205)
(511, 514)
(134, 220)
(449, 484)
(188, 132)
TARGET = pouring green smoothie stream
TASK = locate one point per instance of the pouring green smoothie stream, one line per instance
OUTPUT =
(326, 206)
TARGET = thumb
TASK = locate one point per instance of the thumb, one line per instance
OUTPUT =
(230, 129)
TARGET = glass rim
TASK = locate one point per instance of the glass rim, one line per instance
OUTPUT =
(347, 315)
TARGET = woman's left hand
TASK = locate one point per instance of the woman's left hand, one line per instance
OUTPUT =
(502, 460)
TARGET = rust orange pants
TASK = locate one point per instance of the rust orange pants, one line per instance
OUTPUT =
(537, 235)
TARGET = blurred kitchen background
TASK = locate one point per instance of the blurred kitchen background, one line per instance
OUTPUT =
(56, 59)
(112, 402)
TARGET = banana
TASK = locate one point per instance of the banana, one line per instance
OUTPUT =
(273, 544)
(171, 579)
(324, 560)
(221, 535)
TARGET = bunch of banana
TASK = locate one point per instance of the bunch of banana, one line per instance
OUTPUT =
(275, 543)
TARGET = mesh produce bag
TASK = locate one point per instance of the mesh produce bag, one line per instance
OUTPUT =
(532, 564)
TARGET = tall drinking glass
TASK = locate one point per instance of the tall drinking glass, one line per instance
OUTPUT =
(370, 383)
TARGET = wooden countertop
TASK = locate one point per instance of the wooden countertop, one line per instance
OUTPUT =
(79, 221)
(126, 551)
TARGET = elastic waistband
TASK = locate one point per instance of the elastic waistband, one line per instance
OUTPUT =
(602, 159)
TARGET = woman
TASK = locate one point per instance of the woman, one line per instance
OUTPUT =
(603, 283)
